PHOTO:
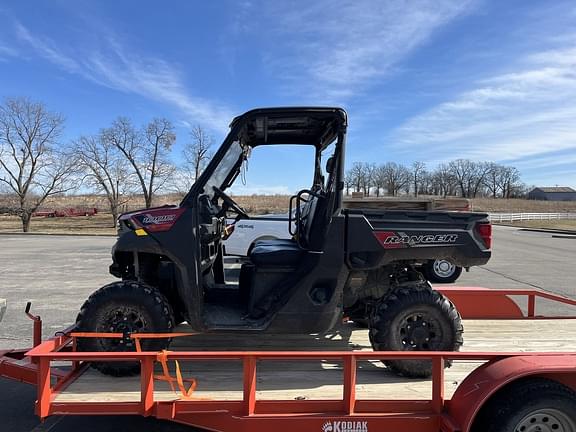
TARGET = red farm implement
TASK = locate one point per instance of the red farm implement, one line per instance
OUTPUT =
(67, 212)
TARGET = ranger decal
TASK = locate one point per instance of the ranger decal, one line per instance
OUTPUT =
(394, 240)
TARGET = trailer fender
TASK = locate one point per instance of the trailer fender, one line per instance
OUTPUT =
(478, 387)
(482, 303)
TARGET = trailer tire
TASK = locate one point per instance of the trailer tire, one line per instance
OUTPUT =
(124, 307)
(415, 317)
(531, 404)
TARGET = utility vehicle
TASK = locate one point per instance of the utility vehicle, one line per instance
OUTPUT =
(340, 262)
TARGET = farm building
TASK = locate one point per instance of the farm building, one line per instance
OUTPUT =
(553, 194)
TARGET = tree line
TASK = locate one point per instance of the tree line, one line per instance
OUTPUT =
(460, 177)
(118, 161)
(124, 159)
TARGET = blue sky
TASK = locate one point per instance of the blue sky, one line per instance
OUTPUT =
(431, 80)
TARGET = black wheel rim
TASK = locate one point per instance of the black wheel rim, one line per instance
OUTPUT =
(419, 331)
(125, 320)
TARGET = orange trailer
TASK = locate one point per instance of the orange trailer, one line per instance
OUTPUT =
(516, 391)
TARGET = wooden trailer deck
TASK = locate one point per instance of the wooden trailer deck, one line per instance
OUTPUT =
(222, 380)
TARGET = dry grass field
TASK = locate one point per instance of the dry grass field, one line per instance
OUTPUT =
(522, 206)
(98, 224)
(566, 224)
(254, 204)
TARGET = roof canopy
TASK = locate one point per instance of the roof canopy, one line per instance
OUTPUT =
(316, 126)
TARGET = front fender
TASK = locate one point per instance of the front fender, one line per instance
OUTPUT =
(130, 242)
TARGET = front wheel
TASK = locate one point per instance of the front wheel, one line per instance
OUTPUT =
(530, 405)
(415, 317)
(124, 307)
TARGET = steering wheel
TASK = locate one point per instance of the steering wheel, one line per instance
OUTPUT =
(230, 203)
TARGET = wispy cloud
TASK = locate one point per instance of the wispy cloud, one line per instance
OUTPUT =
(47, 49)
(112, 65)
(551, 161)
(528, 111)
(7, 52)
(337, 48)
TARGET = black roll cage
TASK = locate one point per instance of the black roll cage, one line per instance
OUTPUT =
(254, 128)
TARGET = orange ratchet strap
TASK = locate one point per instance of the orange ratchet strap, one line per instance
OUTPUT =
(161, 357)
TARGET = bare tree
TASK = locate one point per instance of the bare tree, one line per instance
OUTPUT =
(356, 174)
(159, 137)
(379, 179)
(197, 152)
(348, 182)
(418, 170)
(443, 180)
(146, 151)
(368, 174)
(106, 170)
(396, 177)
(469, 175)
(31, 165)
(493, 180)
(425, 183)
(509, 181)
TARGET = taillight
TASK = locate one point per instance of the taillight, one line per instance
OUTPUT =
(485, 231)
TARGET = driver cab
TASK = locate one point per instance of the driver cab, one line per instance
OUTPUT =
(281, 279)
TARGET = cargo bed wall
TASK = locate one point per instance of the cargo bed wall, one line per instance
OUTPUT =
(376, 238)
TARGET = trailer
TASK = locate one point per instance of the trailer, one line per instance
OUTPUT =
(67, 212)
(328, 383)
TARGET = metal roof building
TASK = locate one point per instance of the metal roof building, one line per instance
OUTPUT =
(563, 193)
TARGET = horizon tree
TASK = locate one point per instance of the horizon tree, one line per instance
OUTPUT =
(106, 170)
(33, 162)
(418, 171)
(196, 152)
(146, 151)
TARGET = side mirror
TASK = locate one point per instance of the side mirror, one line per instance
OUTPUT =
(330, 164)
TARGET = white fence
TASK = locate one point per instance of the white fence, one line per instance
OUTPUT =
(513, 217)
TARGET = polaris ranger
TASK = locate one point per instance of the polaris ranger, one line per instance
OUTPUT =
(339, 262)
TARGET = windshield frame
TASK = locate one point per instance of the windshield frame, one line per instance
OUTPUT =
(198, 188)
(227, 169)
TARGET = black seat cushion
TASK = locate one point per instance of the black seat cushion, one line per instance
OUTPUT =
(274, 242)
(282, 252)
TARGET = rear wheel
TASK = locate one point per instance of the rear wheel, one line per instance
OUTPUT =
(124, 307)
(530, 405)
(414, 317)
